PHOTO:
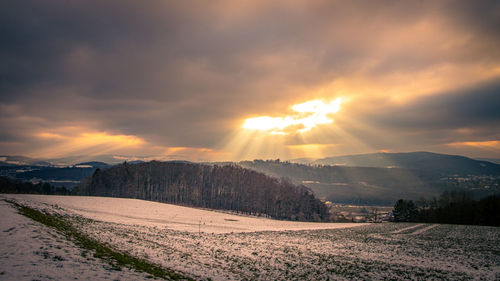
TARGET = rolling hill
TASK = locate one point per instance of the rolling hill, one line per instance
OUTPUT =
(410, 176)
(378, 178)
(229, 187)
(425, 161)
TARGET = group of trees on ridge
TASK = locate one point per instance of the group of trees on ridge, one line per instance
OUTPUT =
(451, 208)
(228, 187)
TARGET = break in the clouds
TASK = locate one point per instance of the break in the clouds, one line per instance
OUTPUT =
(178, 79)
(306, 116)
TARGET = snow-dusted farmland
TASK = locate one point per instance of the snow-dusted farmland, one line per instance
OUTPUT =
(233, 247)
(168, 216)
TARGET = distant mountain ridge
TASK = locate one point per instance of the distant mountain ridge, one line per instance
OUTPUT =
(359, 179)
(382, 178)
(6, 160)
(93, 164)
(426, 161)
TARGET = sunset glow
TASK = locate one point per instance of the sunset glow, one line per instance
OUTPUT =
(309, 111)
(86, 142)
(308, 115)
(493, 146)
(231, 81)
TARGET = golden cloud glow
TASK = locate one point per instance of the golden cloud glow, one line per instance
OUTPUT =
(191, 153)
(76, 142)
(121, 140)
(307, 116)
(312, 150)
(485, 145)
(94, 138)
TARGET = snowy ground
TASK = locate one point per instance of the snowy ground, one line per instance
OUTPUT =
(147, 213)
(30, 251)
(233, 247)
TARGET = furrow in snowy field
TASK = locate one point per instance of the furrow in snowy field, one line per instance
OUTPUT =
(422, 230)
(406, 228)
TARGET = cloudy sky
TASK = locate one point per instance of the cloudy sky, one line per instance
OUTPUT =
(232, 80)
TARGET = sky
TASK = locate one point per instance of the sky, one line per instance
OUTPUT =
(235, 80)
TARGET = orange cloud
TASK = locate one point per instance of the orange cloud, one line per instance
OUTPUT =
(192, 153)
(82, 141)
(493, 145)
(309, 150)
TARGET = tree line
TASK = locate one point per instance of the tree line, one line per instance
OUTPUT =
(451, 208)
(9, 185)
(228, 187)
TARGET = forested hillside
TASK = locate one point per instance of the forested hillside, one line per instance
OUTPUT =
(374, 185)
(228, 187)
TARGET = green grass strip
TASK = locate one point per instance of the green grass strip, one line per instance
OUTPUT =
(100, 250)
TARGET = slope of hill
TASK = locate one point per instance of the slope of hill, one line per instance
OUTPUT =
(205, 245)
(48, 255)
(427, 161)
(164, 215)
(218, 187)
(492, 160)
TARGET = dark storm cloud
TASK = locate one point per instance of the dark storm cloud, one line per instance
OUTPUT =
(469, 114)
(182, 73)
(471, 107)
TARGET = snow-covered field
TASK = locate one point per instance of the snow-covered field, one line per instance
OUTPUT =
(168, 216)
(30, 251)
(205, 244)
